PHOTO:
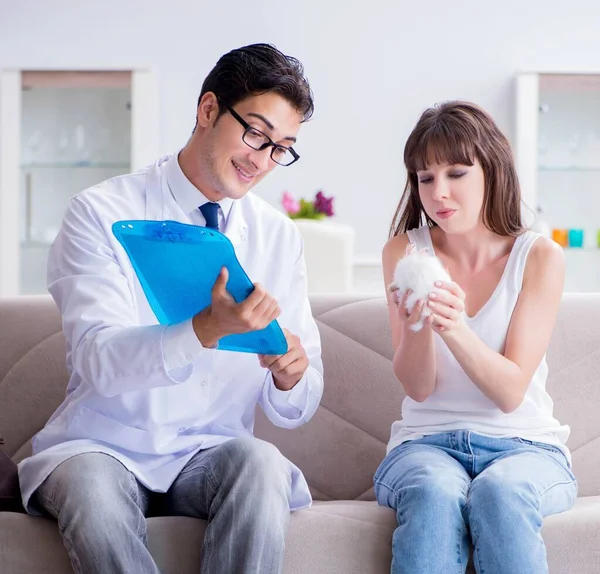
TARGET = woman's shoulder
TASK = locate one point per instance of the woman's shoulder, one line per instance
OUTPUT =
(543, 247)
(545, 255)
(394, 248)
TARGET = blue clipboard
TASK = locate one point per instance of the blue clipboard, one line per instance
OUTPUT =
(177, 265)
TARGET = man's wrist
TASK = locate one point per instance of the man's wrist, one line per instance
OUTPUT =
(283, 385)
(205, 329)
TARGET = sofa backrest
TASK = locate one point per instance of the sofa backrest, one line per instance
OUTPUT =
(340, 448)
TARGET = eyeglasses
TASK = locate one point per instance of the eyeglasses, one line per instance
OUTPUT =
(258, 140)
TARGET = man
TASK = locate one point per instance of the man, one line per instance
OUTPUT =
(154, 409)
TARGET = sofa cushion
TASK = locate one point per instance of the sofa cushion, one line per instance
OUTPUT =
(23, 452)
(330, 538)
(10, 493)
(340, 537)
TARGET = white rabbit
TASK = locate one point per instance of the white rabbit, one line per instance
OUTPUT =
(418, 271)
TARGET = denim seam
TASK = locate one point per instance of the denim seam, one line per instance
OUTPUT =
(461, 565)
(544, 492)
(471, 455)
(473, 533)
(76, 563)
(550, 454)
(206, 551)
(134, 492)
(565, 466)
(391, 490)
(50, 501)
(207, 545)
(212, 479)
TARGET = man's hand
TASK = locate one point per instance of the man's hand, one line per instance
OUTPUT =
(287, 369)
(226, 317)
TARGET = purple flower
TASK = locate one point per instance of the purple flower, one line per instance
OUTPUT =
(324, 204)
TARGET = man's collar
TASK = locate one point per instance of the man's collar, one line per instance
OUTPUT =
(185, 193)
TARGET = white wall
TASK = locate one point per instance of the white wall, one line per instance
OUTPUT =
(373, 66)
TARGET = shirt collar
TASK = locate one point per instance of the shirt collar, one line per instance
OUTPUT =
(186, 194)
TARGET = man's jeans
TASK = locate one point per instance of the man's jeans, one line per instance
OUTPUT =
(447, 485)
(241, 487)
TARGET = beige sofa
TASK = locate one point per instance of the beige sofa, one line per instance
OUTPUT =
(345, 531)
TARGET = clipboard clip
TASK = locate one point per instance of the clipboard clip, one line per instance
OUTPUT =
(163, 232)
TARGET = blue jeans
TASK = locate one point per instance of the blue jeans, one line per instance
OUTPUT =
(242, 487)
(446, 486)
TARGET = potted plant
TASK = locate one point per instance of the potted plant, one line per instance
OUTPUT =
(319, 208)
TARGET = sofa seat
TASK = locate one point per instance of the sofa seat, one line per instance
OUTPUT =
(336, 537)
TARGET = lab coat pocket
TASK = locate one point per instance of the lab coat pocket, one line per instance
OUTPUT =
(89, 424)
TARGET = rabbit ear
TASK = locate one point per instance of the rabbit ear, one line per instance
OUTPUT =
(424, 251)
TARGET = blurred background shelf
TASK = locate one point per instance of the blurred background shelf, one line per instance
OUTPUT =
(572, 169)
(75, 132)
(32, 166)
(69, 130)
(558, 159)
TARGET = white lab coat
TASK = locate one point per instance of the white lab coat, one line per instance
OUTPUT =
(149, 395)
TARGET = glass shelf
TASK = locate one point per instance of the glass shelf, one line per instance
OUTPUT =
(571, 169)
(123, 166)
(72, 138)
(558, 155)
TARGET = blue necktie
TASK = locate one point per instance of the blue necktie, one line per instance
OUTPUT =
(210, 211)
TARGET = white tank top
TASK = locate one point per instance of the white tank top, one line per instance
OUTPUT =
(457, 403)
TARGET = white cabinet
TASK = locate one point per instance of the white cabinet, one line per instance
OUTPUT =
(557, 150)
(329, 254)
(61, 132)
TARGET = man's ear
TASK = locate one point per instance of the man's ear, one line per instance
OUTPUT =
(208, 110)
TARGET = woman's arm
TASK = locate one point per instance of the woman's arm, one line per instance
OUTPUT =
(414, 353)
(504, 378)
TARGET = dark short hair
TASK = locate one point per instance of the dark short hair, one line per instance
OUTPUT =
(460, 133)
(258, 69)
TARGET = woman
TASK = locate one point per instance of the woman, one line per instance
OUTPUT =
(478, 455)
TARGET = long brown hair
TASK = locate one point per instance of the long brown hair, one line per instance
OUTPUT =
(459, 133)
